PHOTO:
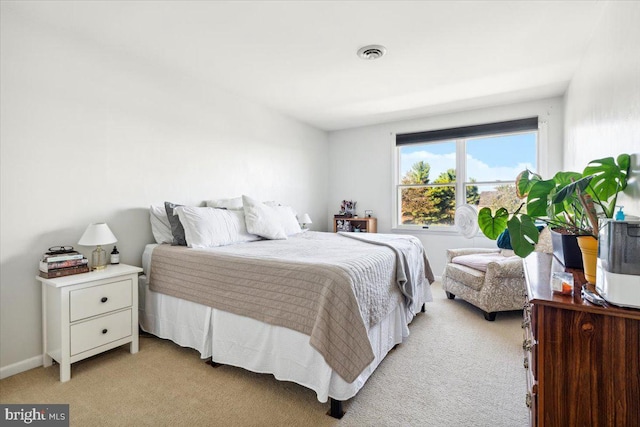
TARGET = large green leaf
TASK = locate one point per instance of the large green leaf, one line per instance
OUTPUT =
(624, 161)
(609, 178)
(524, 182)
(557, 210)
(565, 178)
(569, 190)
(524, 235)
(492, 226)
(538, 198)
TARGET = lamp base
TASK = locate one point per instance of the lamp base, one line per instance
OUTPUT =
(98, 259)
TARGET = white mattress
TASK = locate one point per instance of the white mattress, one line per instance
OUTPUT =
(257, 346)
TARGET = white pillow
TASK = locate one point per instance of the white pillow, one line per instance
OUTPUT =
(288, 220)
(287, 216)
(234, 203)
(208, 227)
(262, 220)
(160, 226)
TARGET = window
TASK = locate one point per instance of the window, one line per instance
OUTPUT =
(439, 170)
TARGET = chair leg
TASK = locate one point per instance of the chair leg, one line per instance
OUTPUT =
(490, 316)
(450, 295)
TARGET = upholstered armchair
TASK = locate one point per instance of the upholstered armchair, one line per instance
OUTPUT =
(490, 279)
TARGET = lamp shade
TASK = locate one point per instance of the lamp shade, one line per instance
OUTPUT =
(305, 219)
(97, 234)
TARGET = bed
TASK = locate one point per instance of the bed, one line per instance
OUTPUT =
(280, 306)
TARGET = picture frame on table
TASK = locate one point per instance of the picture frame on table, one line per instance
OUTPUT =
(343, 225)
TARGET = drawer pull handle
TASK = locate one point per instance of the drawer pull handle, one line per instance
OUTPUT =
(104, 331)
(526, 362)
(528, 400)
(526, 345)
(104, 299)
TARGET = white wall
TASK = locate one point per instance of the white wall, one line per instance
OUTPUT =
(91, 134)
(361, 165)
(603, 100)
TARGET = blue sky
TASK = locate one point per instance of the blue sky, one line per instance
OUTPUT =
(488, 159)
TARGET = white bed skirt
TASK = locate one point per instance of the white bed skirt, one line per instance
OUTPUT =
(257, 346)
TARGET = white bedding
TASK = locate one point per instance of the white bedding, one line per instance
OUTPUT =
(260, 347)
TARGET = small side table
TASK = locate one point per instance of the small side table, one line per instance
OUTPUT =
(86, 314)
(364, 224)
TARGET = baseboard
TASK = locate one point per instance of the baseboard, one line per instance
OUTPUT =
(22, 366)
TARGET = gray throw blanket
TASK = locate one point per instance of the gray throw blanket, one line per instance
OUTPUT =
(412, 265)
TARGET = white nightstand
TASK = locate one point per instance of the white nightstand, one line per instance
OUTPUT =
(86, 314)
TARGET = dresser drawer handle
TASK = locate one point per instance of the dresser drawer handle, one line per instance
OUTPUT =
(104, 331)
(526, 362)
(103, 299)
(526, 345)
(528, 400)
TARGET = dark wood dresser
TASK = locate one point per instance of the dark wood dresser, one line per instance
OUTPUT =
(582, 360)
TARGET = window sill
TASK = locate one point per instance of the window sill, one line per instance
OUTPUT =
(436, 232)
(430, 230)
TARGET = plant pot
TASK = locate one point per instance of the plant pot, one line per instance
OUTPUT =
(566, 249)
(589, 247)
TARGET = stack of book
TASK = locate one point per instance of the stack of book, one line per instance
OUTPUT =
(63, 264)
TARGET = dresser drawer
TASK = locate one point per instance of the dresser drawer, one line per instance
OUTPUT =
(103, 330)
(99, 299)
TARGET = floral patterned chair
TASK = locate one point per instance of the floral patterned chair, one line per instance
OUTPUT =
(490, 279)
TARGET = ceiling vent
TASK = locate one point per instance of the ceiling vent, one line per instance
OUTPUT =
(373, 51)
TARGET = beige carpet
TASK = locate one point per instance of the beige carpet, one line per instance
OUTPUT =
(456, 369)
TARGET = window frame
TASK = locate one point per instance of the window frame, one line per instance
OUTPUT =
(461, 181)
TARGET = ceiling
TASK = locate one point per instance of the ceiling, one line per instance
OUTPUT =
(299, 57)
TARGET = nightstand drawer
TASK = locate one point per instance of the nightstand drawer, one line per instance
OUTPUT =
(100, 331)
(100, 299)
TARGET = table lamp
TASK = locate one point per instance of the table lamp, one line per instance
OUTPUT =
(305, 220)
(97, 235)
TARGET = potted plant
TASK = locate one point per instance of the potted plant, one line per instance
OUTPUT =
(570, 201)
